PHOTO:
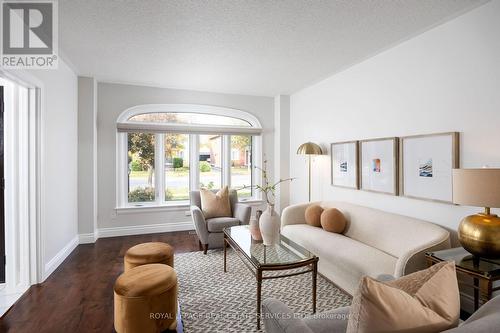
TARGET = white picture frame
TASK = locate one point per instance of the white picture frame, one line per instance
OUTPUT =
(426, 163)
(345, 164)
(379, 165)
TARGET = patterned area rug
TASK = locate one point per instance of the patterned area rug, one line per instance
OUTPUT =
(214, 301)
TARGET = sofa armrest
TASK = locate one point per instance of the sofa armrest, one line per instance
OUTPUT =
(242, 212)
(199, 223)
(414, 260)
(278, 318)
(294, 214)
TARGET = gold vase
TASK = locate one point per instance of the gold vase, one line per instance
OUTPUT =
(480, 234)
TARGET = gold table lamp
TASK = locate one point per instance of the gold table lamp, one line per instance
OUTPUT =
(309, 148)
(480, 233)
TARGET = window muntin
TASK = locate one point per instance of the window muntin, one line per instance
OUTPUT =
(177, 164)
(241, 164)
(189, 118)
(210, 161)
(141, 162)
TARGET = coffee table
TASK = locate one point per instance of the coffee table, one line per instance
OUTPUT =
(284, 255)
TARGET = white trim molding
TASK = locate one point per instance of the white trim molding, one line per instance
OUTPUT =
(189, 108)
(145, 229)
(60, 256)
(89, 238)
(124, 125)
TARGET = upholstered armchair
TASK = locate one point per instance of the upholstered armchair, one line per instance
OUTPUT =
(278, 318)
(210, 231)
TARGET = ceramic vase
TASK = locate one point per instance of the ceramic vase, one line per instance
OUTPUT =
(254, 226)
(269, 224)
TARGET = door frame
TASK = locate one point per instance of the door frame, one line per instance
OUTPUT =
(3, 256)
(35, 161)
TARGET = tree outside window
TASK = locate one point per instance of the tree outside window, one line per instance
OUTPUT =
(141, 158)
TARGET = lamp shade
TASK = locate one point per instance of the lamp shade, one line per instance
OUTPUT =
(309, 148)
(477, 187)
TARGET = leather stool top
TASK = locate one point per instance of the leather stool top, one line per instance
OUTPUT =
(149, 252)
(146, 280)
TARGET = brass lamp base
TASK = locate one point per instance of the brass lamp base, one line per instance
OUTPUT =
(480, 235)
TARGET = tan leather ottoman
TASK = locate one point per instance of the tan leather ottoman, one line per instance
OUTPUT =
(145, 299)
(149, 253)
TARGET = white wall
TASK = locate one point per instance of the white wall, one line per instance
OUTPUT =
(282, 149)
(87, 158)
(113, 99)
(446, 79)
(59, 205)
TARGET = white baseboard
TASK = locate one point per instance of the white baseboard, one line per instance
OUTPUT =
(53, 263)
(145, 229)
(134, 230)
(87, 238)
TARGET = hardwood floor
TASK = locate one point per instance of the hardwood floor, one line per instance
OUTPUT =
(78, 296)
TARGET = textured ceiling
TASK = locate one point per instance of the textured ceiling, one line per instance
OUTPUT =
(256, 47)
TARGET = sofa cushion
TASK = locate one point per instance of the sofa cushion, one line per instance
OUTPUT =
(333, 220)
(333, 321)
(313, 215)
(400, 233)
(215, 204)
(427, 301)
(217, 224)
(342, 259)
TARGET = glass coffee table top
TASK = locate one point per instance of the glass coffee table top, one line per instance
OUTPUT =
(284, 252)
(465, 260)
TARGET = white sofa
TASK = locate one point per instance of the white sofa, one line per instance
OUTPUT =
(374, 242)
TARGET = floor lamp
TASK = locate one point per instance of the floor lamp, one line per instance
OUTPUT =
(309, 148)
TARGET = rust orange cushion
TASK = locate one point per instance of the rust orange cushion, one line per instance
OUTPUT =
(313, 215)
(333, 220)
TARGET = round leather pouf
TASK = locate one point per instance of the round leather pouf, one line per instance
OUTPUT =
(145, 299)
(149, 253)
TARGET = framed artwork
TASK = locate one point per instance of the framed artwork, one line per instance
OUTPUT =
(426, 166)
(345, 170)
(379, 165)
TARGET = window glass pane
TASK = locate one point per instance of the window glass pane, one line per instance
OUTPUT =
(210, 161)
(141, 161)
(189, 118)
(241, 164)
(176, 167)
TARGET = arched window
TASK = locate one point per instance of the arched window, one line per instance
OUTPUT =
(164, 151)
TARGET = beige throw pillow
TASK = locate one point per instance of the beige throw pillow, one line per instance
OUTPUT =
(424, 302)
(215, 204)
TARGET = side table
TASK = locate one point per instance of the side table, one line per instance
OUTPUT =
(484, 272)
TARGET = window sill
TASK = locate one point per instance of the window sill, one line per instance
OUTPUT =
(253, 202)
(173, 207)
(145, 208)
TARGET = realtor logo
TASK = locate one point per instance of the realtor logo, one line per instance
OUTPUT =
(29, 34)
